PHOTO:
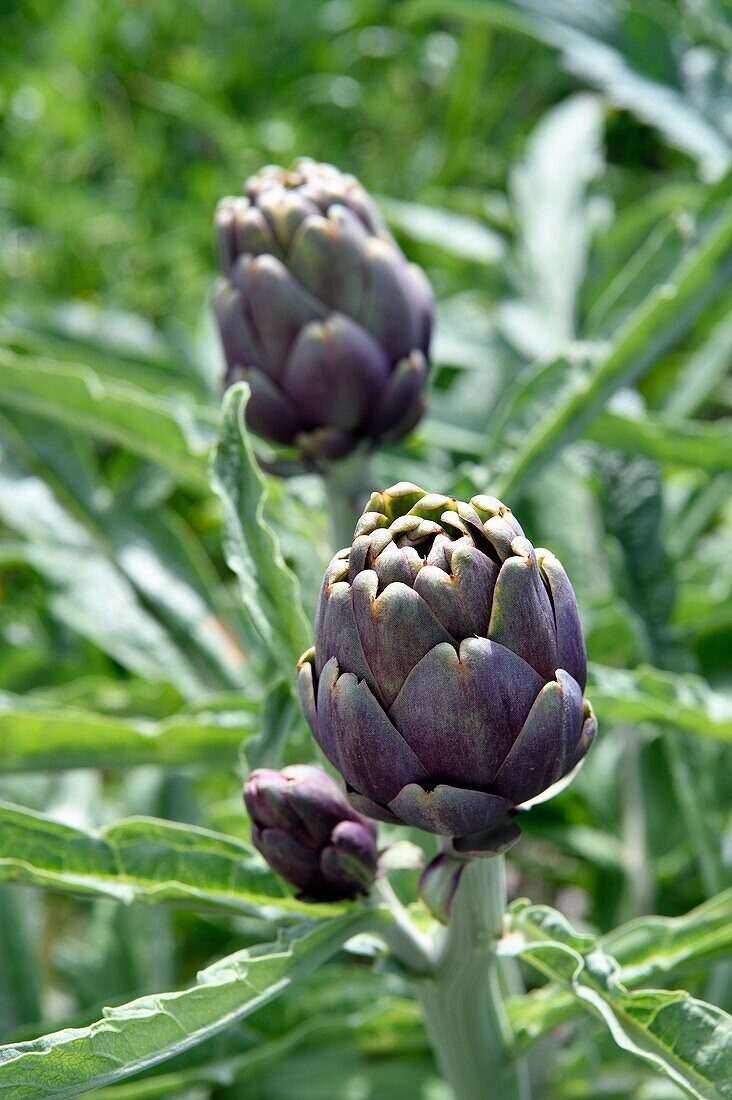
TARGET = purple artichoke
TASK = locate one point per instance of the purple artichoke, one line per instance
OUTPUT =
(449, 664)
(320, 312)
(305, 828)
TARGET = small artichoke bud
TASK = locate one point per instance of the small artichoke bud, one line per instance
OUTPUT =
(449, 664)
(320, 312)
(305, 828)
(438, 884)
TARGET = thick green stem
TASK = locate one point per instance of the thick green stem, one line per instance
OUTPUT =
(347, 488)
(463, 1004)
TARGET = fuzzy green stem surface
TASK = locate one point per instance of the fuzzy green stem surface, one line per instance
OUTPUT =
(462, 1001)
(347, 488)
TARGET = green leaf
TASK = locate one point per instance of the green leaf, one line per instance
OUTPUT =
(279, 711)
(176, 434)
(144, 859)
(649, 695)
(703, 372)
(38, 736)
(148, 594)
(664, 315)
(121, 346)
(150, 1029)
(677, 442)
(21, 985)
(688, 1040)
(160, 555)
(461, 236)
(648, 949)
(98, 600)
(336, 1006)
(591, 55)
(269, 589)
(555, 220)
(631, 505)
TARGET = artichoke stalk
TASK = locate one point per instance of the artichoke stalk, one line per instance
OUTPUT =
(305, 828)
(449, 664)
(320, 312)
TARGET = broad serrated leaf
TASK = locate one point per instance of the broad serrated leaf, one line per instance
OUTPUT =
(649, 950)
(147, 1031)
(269, 589)
(680, 1036)
(144, 859)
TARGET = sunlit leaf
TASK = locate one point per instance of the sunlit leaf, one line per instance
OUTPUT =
(466, 238)
(650, 950)
(682, 1037)
(143, 859)
(146, 1031)
(554, 214)
(269, 590)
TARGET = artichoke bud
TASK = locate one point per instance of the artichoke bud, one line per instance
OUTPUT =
(309, 834)
(319, 310)
(449, 664)
(438, 884)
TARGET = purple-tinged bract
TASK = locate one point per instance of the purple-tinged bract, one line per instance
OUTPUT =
(305, 828)
(449, 664)
(320, 312)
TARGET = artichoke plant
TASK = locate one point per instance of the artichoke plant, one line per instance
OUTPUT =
(305, 828)
(320, 312)
(449, 664)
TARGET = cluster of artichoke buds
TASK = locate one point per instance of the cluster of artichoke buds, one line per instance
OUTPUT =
(305, 828)
(446, 680)
(320, 312)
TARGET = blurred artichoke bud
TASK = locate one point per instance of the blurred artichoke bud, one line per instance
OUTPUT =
(305, 828)
(449, 664)
(320, 312)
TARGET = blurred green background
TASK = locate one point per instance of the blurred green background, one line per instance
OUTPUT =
(123, 123)
(561, 170)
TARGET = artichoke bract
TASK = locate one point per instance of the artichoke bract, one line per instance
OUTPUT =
(449, 664)
(320, 312)
(305, 828)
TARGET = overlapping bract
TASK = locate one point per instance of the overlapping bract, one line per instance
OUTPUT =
(449, 664)
(305, 828)
(320, 312)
